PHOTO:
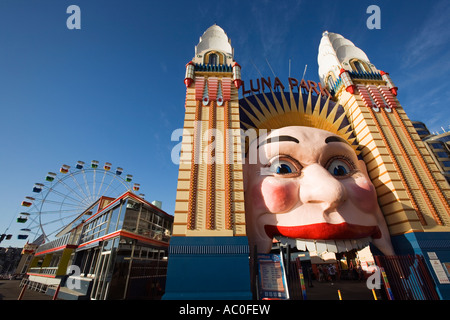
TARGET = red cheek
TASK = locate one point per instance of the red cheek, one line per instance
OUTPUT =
(363, 194)
(279, 196)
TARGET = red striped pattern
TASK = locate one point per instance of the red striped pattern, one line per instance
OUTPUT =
(212, 88)
(376, 95)
(226, 89)
(365, 95)
(387, 94)
(199, 87)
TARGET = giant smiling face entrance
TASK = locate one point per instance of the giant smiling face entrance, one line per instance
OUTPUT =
(303, 179)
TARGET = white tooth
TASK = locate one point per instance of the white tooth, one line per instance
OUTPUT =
(361, 243)
(331, 246)
(310, 245)
(286, 241)
(292, 242)
(301, 245)
(340, 246)
(348, 245)
(321, 246)
(358, 244)
(367, 241)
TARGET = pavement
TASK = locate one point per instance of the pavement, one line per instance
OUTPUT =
(10, 290)
(349, 290)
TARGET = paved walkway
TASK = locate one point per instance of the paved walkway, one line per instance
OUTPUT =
(350, 290)
(10, 290)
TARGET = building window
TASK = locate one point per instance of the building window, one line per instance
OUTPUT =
(330, 82)
(113, 220)
(445, 138)
(95, 228)
(131, 216)
(213, 59)
(153, 225)
(422, 132)
(436, 145)
(418, 125)
(442, 155)
(359, 66)
(88, 261)
(446, 164)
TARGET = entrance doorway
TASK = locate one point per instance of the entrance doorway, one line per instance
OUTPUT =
(327, 277)
(102, 277)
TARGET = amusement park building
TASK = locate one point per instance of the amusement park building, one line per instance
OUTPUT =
(122, 249)
(116, 249)
(210, 217)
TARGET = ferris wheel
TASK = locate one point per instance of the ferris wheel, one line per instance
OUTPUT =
(63, 196)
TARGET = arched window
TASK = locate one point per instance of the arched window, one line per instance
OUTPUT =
(358, 66)
(330, 81)
(213, 59)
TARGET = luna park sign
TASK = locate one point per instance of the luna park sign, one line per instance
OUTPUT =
(262, 84)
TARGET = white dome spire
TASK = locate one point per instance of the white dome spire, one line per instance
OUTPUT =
(214, 38)
(335, 52)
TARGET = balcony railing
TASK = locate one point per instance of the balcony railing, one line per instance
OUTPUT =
(46, 270)
(62, 241)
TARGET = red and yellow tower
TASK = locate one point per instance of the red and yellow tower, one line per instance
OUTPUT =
(209, 248)
(412, 192)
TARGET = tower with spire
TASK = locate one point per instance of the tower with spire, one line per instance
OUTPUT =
(208, 256)
(412, 192)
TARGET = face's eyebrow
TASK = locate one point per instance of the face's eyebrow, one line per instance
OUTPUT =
(279, 139)
(335, 139)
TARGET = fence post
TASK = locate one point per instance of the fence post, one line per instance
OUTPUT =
(55, 296)
(23, 290)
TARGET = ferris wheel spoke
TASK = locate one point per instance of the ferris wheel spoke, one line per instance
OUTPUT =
(85, 196)
(71, 190)
(93, 183)
(126, 185)
(48, 212)
(34, 230)
(106, 190)
(86, 185)
(75, 205)
(47, 223)
(101, 186)
(56, 229)
(64, 196)
(32, 222)
(54, 221)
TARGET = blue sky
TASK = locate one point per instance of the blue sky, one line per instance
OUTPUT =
(113, 90)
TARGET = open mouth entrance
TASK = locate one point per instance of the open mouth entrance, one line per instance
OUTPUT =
(317, 269)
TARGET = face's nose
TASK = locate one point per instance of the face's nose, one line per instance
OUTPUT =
(318, 186)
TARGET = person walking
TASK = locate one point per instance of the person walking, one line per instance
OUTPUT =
(332, 273)
(321, 273)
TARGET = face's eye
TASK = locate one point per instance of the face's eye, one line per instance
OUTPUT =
(283, 167)
(340, 167)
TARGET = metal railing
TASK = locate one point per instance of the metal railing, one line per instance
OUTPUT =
(45, 270)
(62, 241)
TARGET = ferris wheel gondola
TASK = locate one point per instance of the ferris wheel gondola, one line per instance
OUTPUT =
(68, 194)
(38, 187)
(23, 217)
